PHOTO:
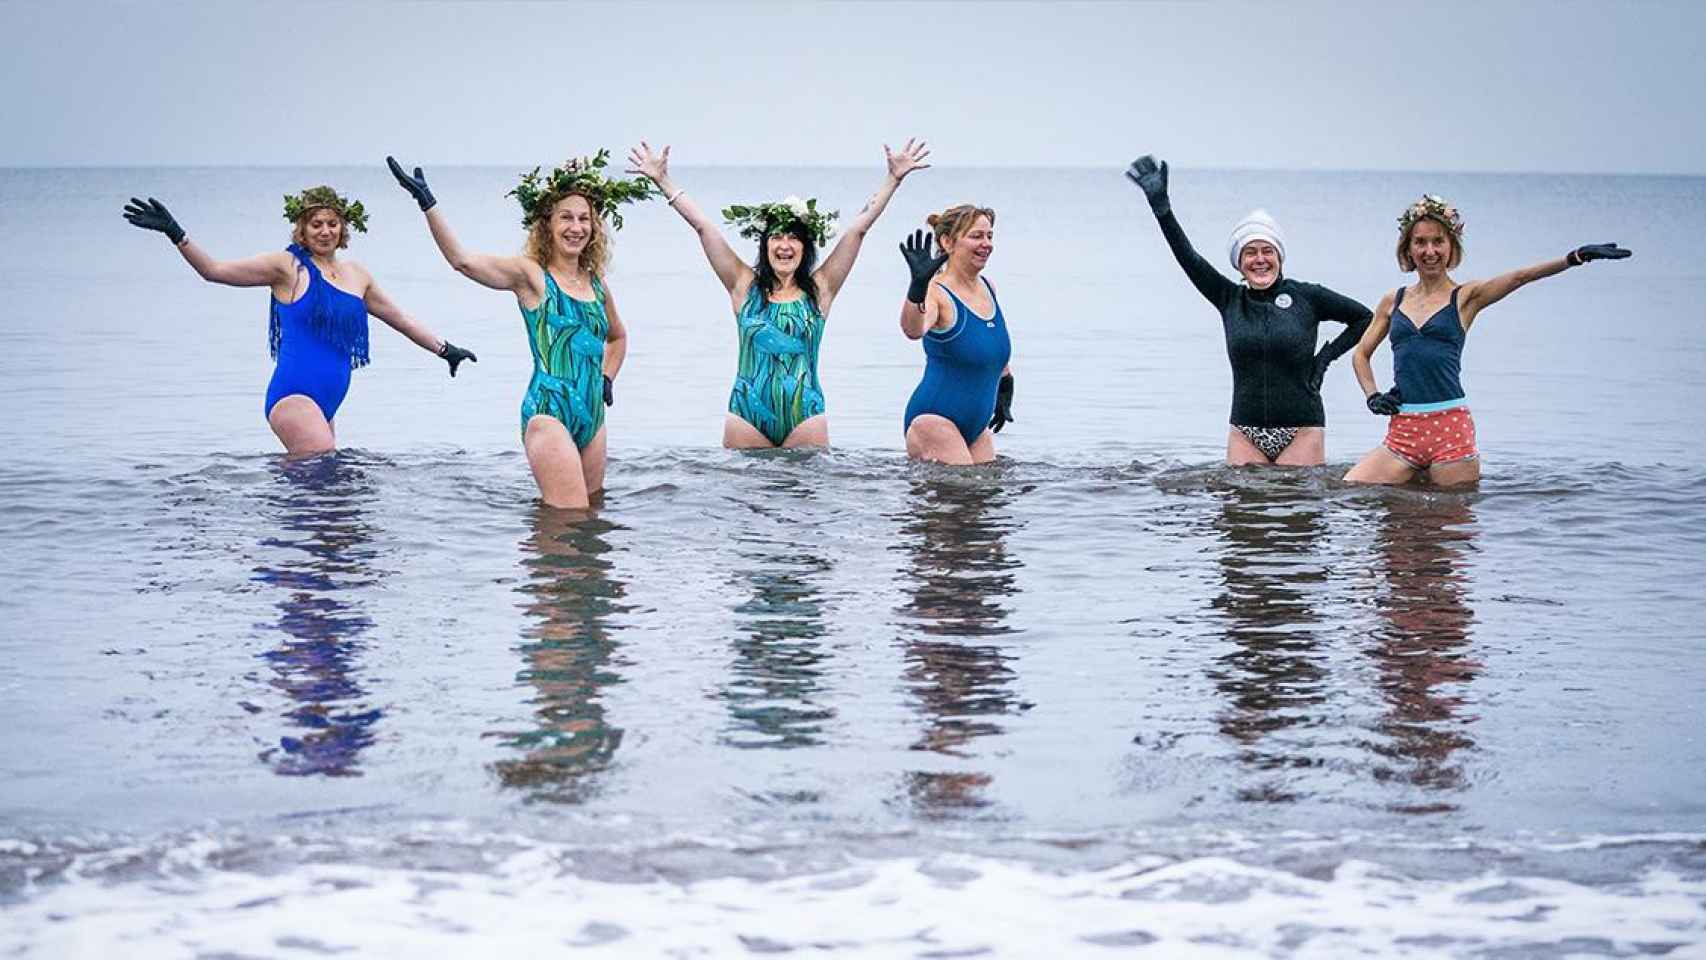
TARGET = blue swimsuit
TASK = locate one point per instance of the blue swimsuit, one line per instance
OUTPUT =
(316, 342)
(962, 369)
(1427, 360)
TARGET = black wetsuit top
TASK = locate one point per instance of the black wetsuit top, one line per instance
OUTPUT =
(1270, 337)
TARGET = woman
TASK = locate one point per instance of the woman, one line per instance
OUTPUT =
(782, 301)
(573, 329)
(1431, 428)
(1271, 323)
(966, 396)
(318, 325)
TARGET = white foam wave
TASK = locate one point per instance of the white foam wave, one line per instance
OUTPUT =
(946, 905)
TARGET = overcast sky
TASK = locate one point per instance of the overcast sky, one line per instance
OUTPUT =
(1611, 85)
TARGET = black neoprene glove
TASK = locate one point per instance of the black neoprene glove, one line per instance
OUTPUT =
(416, 185)
(153, 215)
(917, 251)
(1319, 374)
(1003, 404)
(454, 355)
(609, 391)
(1152, 177)
(1385, 404)
(1596, 251)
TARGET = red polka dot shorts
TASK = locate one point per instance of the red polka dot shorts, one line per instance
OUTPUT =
(1424, 439)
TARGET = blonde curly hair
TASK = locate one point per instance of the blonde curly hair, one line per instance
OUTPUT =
(595, 256)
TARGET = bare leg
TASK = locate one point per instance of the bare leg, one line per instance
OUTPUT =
(1240, 452)
(740, 435)
(556, 463)
(983, 448)
(1307, 449)
(1457, 473)
(301, 427)
(1381, 465)
(936, 438)
(592, 463)
(812, 432)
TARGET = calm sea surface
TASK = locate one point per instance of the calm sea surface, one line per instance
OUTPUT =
(1102, 695)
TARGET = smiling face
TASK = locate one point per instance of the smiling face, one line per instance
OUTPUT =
(784, 251)
(322, 232)
(572, 226)
(1259, 262)
(1430, 248)
(971, 249)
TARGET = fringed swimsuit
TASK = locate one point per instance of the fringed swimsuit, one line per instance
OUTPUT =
(316, 340)
(776, 388)
(567, 338)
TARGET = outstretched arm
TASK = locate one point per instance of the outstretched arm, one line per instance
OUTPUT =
(1477, 295)
(655, 167)
(500, 273)
(386, 309)
(266, 270)
(839, 263)
(1152, 179)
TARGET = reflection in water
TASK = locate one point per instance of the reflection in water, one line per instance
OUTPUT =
(1273, 675)
(570, 593)
(779, 663)
(324, 554)
(1421, 645)
(958, 576)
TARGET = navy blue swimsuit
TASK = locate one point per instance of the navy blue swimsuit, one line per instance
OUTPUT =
(317, 341)
(962, 368)
(1427, 360)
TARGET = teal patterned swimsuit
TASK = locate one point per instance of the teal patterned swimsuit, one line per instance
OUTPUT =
(567, 339)
(776, 388)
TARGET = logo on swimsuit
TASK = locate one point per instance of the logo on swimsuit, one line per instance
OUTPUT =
(1283, 301)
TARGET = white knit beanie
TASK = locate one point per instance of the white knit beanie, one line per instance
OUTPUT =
(1256, 225)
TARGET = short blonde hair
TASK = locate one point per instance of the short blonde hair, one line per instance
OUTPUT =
(299, 233)
(595, 256)
(1407, 263)
(952, 223)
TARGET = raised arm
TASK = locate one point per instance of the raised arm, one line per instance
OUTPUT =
(839, 263)
(730, 269)
(266, 270)
(923, 307)
(398, 319)
(500, 273)
(1152, 179)
(1477, 295)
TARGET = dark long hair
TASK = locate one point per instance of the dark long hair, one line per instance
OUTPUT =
(765, 275)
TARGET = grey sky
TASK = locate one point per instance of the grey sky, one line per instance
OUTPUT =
(1554, 86)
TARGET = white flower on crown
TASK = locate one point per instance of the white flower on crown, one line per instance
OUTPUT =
(797, 205)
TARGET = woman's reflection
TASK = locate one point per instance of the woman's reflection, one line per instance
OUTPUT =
(1421, 647)
(568, 649)
(1272, 674)
(779, 659)
(321, 558)
(958, 576)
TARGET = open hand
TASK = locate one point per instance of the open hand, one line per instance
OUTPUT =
(153, 215)
(652, 166)
(917, 251)
(910, 158)
(1152, 178)
(416, 185)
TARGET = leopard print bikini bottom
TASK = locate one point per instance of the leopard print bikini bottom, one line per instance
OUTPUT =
(1272, 441)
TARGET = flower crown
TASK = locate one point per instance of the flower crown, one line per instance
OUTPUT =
(1435, 206)
(539, 193)
(353, 213)
(766, 218)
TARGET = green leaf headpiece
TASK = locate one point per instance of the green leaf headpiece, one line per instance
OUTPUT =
(538, 193)
(754, 222)
(323, 196)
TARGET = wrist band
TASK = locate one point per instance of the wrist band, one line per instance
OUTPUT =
(678, 193)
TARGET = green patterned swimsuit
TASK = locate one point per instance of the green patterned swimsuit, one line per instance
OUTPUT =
(776, 388)
(567, 339)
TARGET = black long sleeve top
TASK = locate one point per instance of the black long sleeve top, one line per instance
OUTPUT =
(1271, 336)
